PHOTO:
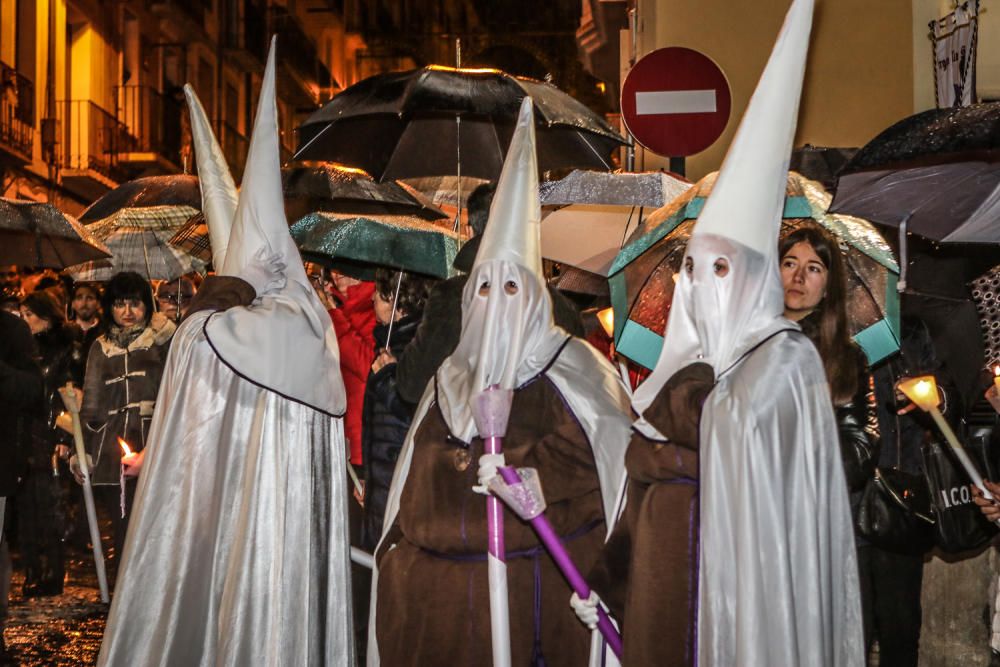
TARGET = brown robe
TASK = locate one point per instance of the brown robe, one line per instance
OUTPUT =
(648, 570)
(433, 596)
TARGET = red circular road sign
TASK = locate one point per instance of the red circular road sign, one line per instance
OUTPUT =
(676, 101)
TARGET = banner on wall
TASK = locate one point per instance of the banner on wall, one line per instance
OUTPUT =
(954, 37)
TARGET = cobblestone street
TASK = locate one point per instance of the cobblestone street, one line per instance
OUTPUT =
(60, 630)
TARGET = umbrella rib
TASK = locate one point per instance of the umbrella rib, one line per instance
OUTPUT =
(310, 142)
(583, 137)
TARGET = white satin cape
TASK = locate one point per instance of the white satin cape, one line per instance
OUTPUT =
(595, 395)
(778, 579)
(237, 550)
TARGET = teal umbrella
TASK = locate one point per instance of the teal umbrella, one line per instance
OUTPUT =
(642, 275)
(356, 244)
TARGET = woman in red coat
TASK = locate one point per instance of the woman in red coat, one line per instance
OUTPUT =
(349, 302)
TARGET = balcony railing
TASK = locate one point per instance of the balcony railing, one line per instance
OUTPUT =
(92, 138)
(153, 120)
(17, 110)
(234, 147)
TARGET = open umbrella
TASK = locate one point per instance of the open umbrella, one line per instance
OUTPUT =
(642, 276)
(444, 121)
(936, 173)
(193, 238)
(38, 234)
(352, 244)
(326, 186)
(651, 189)
(603, 210)
(138, 240)
(446, 190)
(172, 190)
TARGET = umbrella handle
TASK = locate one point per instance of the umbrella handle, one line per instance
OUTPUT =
(392, 317)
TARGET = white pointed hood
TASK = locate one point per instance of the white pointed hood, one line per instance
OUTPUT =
(218, 191)
(285, 341)
(508, 334)
(718, 318)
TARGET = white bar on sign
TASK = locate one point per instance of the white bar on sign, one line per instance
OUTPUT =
(674, 101)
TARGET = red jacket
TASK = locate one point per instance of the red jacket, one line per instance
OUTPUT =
(354, 321)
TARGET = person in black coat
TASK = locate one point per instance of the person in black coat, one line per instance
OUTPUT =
(40, 498)
(20, 395)
(437, 336)
(386, 415)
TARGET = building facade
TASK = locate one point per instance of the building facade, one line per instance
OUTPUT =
(869, 64)
(93, 89)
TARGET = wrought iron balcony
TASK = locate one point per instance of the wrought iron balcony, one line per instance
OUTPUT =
(90, 142)
(153, 120)
(17, 112)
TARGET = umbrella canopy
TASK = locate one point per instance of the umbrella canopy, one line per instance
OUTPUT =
(173, 190)
(604, 209)
(649, 189)
(451, 191)
(326, 186)
(403, 124)
(642, 276)
(38, 234)
(821, 164)
(588, 236)
(193, 238)
(138, 240)
(938, 171)
(350, 243)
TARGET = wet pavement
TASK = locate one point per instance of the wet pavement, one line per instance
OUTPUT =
(60, 630)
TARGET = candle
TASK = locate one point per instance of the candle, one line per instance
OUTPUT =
(607, 319)
(126, 450)
(996, 378)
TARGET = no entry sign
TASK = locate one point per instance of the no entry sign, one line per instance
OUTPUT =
(676, 101)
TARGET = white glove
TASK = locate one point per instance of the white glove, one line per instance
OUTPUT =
(586, 610)
(265, 273)
(488, 464)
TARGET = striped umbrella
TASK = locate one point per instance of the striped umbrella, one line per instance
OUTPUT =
(139, 241)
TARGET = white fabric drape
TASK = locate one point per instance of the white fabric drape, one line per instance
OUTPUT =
(237, 551)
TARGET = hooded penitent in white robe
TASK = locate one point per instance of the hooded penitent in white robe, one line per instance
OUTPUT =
(509, 338)
(778, 581)
(238, 550)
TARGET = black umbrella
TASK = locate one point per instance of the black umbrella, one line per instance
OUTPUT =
(936, 173)
(403, 125)
(326, 186)
(172, 190)
(38, 234)
(819, 163)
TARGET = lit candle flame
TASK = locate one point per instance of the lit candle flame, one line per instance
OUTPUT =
(126, 450)
(607, 319)
(996, 371)
(922, 388)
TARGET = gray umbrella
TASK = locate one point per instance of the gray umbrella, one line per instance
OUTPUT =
(650, 189)
(936, 174)
(38, 234)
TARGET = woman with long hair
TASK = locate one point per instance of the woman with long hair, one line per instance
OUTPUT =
(39, 498)
(814, 278)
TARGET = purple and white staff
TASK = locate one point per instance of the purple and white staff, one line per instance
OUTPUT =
(522, 491)
(491, 410)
